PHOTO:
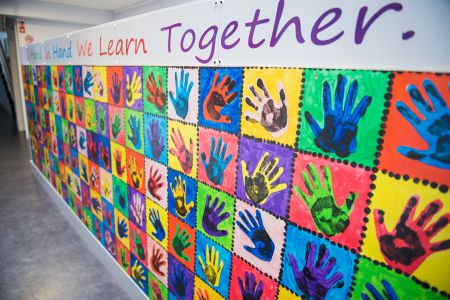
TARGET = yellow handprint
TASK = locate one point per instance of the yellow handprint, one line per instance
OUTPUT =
(138, 273)
(133, 89)
(179, 193)
(212, 269)
(264, 181)
(89, 116)
(136, 176)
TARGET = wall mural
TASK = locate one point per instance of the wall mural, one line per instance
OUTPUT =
(254, 183)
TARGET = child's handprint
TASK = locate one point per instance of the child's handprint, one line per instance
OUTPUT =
(341, 121)
(183, 89)
(434, 128)
(219, 103)
(184, 156)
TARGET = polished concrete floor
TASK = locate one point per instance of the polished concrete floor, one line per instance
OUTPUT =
(41, 256)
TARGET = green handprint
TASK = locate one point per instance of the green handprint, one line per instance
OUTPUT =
(181, 242)
(116, 126)
(329, 218)
(102, 119)
(123, 258)
(138, 243)
(79, 111)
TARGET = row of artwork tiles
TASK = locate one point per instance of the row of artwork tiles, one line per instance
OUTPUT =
(334, 205)
(170, 259)
(376, 119)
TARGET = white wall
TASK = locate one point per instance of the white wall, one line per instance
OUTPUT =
(44, 30)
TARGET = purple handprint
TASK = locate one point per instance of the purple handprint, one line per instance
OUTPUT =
(251, 290)
(212, 217)
(314, 279)
(156, 139)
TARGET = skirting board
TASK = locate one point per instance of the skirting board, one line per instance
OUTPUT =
(122, 278)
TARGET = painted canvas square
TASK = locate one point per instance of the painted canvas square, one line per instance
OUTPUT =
(182, 86)
(263, 176)
(134, 130)
(156, 184)
(341, 113)
(220, 100)
(408, 229)
(182, 240)
(155, 136)
(136, 171)
(183, 148)
(88, 82)
(116, 124)
(157, 223)
(132, 87)
(155, 91)
(270, 103)
(115, 84)
(100, 84)
(182, 196)
(415, 139)
(217, 159)
(181, 280)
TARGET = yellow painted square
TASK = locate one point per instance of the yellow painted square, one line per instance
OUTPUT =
(164, 221)
(284, 293)
(201, 288)
(188, 134)
(391, 196)
(274, 79)
(84, 167)
(118, 216)
(54, 71)
(96, 195)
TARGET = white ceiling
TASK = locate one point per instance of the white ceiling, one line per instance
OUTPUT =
(108, 5)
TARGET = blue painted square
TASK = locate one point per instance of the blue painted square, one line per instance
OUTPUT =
(296, 245)
(155, 133)
(221, 284)
(190, 196)
(181, 280)
(215, 111)
(77, 81)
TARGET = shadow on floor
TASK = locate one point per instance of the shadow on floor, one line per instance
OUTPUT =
(41, 256)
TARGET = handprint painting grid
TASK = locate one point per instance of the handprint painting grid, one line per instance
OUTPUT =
(329, 198)
(238, 212)
(420, 106)
(347, 122)
(270, 103)
(408, 229)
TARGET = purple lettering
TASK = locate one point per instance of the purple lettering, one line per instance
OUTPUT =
(255, 22)
(319, 27)
(170, 33)
(361, 28)
(186, 49)
(232, 27)
(210, 43)
(276, 36)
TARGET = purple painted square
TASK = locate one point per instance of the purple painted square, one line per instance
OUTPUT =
(251, 152)
(128, 74)
(184, 276)
(135, 201)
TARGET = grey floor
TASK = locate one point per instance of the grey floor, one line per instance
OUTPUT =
(41, 256)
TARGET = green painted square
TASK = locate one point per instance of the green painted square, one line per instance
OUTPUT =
(90, 120)
(50, 99)
(129, 114)
(71, 200)
(150, 107)
(88, 220)
(120, 186)
(370, 83)
(162, 288)
(405, 288)
(68, 75)
(202, 191)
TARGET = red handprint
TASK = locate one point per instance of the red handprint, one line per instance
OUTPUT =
(157, 261)
(219, 98)
(154, 183)
(185, 156)
(104, 155)
(157, 95)
(78, 80)
(120, 168)
(409, 244)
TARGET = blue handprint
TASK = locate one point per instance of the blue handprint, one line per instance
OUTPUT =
(155, 218)
(82, 140)
(181, 102)
(61, 79)
(88, 82)
(135, 126)
(341, 122)
(122, 229)
(217, 161)
(254, 229)
(388, 292)
(434, 129)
